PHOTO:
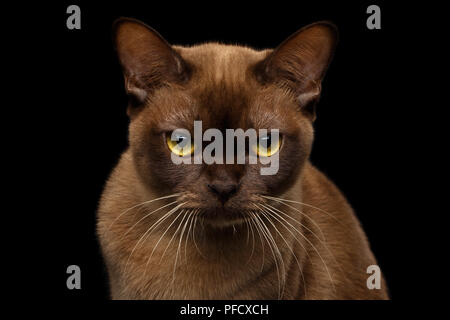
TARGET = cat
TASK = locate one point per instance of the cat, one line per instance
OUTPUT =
(224, 231)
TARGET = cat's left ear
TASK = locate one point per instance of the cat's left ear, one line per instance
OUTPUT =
(300, 63)
(147, 59)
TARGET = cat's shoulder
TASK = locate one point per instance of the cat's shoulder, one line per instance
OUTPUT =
(122, 177)
(320, 189)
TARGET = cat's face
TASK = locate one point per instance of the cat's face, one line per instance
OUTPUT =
(224, 87)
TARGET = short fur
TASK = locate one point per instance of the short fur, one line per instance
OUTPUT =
(222, 256)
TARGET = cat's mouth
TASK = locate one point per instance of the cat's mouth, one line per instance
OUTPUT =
(222, 217)
(231, 213)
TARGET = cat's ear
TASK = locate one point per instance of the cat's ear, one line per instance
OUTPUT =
(300, 63)
(148, 61)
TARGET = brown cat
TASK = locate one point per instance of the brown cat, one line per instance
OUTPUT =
(224, 231)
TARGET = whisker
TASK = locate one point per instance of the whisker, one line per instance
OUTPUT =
(162, 236)
(146, 216)
(174, 234)
(193, 237)
(142, 204)
(253, 222)
(273, 249)
(280, 258)
(248, 231)
(289, 230)
(320, 240)
(265, 213)
(189, 212)
(271, 208)
(282, 264)
(249, 225)
(281, 200)
(315, 249)
(154, 226)
(188, 233)
(304, 214)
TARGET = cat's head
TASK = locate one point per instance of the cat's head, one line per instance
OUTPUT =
(224, 87)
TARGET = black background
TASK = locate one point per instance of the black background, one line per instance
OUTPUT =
(358, 139)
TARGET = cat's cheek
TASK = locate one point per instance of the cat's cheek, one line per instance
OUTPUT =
(291, 160)
(150, 162)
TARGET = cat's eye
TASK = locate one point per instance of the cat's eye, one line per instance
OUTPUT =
(268, 145)
(180, 144)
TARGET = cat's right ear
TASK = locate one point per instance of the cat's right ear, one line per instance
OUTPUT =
(300, 62)
(148, 61)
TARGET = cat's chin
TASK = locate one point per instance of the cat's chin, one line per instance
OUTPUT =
(223, 223)
(222, 218)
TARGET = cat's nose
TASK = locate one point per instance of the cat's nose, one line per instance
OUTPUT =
(223, 190)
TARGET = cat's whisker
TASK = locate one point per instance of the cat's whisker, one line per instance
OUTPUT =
(253, 222)
(180, 223)
(146, 216)
(302, 213)
(265, 213)
(188, 233)
(142, 204)
(193, 237)
(263, 238)
(283, 269)
(314, 248)
(248, 231)
(189, 216)
(152, 227)
(302, 225)
(290, 231)
(270, 208)
(283, 201)
(249, 225)
(162, 236)
(276, 254)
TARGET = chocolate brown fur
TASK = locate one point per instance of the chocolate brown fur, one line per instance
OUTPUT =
(227, 87)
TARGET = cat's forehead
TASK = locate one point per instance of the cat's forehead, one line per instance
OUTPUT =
(222, 92)
(222, 84)
(216, 63)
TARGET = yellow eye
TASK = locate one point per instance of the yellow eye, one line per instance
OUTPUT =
(268, 146)
(180, 145)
